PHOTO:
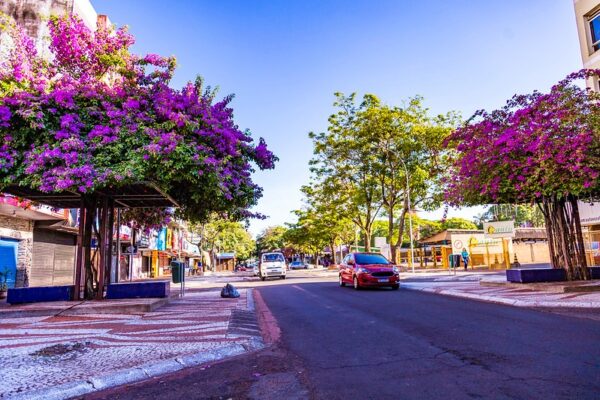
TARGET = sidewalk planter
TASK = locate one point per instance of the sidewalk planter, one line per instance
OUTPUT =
(38, 294)
(543, 275)
(136, 290)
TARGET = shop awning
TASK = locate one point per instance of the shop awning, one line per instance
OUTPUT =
(136, 195)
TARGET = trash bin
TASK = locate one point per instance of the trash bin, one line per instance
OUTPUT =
(177, 271)
(454, 260)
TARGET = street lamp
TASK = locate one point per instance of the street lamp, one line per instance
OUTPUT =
(410, 227)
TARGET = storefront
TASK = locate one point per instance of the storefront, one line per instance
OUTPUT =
(225, 262)
(17, 221)
(589, 214)
(484, 248)
(53, 261)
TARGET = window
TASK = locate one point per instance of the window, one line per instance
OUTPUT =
(371, 259)
(273, 257)
(595, 31)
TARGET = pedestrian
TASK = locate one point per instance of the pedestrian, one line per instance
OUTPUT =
(465, 257)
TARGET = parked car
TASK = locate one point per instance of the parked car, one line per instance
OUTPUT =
(241, 268)
(298, 265)
(368, 270)
(272, 265)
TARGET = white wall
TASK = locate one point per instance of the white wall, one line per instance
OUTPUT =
(85, 10)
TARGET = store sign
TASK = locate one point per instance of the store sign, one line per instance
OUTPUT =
(161, 240)
(144, 242)
(129, 250)
(589, 213)
(499, 229)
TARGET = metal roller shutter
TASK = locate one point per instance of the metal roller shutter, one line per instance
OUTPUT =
(53, 261)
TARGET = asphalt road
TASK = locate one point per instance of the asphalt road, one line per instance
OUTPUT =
(338, 343)
(383, 344)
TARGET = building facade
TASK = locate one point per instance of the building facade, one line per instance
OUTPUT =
(587, 17)
(33, 14)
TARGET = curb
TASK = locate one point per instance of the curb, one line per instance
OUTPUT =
(130, 375)
(83, 308)
(266, 321)
(505, 301)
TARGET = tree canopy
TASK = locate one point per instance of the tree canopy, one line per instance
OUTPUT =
(457, 223)
(369, 151)
(272, 238)
(541, 145)
(540, 148)
(95, 115)
(221, 234)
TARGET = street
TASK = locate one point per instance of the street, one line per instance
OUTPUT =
(350, 218)
(338, 343)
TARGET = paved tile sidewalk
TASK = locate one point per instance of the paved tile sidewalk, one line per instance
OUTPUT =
(61, 356)
(468, 286)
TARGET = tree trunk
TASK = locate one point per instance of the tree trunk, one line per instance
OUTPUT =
(565, 237)
(333, 255)
(90, 273)
(390, 234)
(368, 238)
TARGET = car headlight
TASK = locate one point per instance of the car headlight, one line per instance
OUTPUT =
(396, 270)
(361, 270)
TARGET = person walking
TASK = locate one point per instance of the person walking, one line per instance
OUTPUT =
(465, 257)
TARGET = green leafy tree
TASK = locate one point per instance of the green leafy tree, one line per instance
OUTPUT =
(458, 223)
(427, 228)
(306, 237)
(344, 166)
(272, 238)
(364, 157)
(221, 234)
(381, 229)
(523, 214)
(325, 221)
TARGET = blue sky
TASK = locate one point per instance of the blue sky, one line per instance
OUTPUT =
(284, 60)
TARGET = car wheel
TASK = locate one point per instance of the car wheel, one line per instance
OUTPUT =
(395, 287)
(342, 283)
(355, 281)
(283, 277)
(262, 278)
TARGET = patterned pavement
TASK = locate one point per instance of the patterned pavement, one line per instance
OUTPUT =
(43, 352)
(493, 288)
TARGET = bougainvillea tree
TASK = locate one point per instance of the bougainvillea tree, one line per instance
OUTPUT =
(94, 115)
(541, 148)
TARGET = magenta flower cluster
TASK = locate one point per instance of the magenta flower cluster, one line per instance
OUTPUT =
(95, 115)
(147, 219)
(542, 144)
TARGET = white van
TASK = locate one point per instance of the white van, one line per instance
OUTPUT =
(272, 265)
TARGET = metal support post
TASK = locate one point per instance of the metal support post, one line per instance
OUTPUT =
(117, 267)
(79, 265)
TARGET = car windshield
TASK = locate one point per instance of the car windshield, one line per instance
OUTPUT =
(370, 259)
(272, 257)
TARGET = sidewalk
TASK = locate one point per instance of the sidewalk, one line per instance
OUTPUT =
(492, 287)
(60, 356)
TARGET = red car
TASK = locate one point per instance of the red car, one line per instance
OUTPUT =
(368, 270)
